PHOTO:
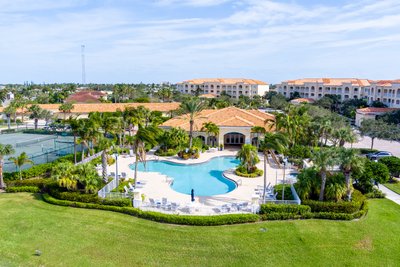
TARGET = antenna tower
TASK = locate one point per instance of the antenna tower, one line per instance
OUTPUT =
(83, 65)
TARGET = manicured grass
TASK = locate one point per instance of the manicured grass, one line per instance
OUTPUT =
(395, 187)
(79, 237)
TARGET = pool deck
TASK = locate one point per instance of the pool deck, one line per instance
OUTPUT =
(157, 185)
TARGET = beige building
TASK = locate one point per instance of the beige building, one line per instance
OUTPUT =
(316, 88)
(370, 113)
(385, 91)
(234, 125)
(234, 87)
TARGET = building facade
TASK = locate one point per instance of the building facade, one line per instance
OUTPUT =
(234, 87)
(387, 91)
(235, 125)
(370, 113)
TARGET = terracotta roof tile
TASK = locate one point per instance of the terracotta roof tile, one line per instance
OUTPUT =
(225, 81)
(376, 110)
(110, 107)
(230, 116)
(331, 81)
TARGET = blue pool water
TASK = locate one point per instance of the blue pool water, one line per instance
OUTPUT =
(206, 178)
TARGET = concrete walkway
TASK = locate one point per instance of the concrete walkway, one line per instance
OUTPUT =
(390, 194)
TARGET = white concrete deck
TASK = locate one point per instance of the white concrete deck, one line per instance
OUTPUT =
(158, 187)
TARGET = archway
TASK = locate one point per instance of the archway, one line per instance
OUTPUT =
(234, 139)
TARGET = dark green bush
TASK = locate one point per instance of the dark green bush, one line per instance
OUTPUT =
(335, 207)
(393, 164)
(376, 193)
(30, 182)
(89, 198)
(288, 192)
(35, 171)
(169, 153)
(241, 171)
(16, 189)
(161, 217)
(366, 150)
(284, 208)
(299, 152)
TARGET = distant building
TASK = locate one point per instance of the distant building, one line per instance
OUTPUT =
(385, 91)
(87, 97)
(234, 87)
(370, 113)
(316, 88)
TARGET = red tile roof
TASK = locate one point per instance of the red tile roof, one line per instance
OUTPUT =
(225, 81)
(86, 97)
(226, 117)
(376, 110)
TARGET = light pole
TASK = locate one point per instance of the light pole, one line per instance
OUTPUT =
(116, 168)
(283, 185)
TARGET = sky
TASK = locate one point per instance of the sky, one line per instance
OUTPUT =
(174, 40)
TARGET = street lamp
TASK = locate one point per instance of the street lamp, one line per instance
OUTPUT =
(283, 185)
(116, 168)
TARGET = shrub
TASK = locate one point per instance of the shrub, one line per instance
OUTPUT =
(161, 217)
(376, 193)
(288, 192)
(30, 182)
(284, 208)
(35, 171)
(367, 150)
(29, 189)
(393, 164)
(241, 171)
(372, 171)
(89, 198)
(335, 207)
(169, 153)
(299, 152)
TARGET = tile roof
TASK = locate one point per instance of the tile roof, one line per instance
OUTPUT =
(302, 100)
(387, 83)
(331, 81)
(375, 110)
(226, 117)
(86, 97)
(110, 107)
(225, 81)
(208, 96)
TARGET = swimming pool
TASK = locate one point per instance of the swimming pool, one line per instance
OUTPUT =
(206, 178)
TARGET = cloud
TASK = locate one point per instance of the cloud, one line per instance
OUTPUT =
(193, 3)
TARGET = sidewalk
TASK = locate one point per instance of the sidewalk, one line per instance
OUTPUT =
(390, 194)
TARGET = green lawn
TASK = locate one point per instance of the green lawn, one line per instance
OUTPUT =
(395, 187)
(78, 237)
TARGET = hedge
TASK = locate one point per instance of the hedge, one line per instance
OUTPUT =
(284, 208)
(90, 198)
(29, 189)
(161, 217)
(336, 207)
(257, 173)
(30, 182)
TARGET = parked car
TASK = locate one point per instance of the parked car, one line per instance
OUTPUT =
(378, 155)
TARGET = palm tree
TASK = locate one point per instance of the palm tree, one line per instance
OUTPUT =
(259, 131)
(272, 142)
(88, 177)
(66, 108)
(104, 144)
(36, 114)
(323, 159)
(9, 110)
(75, 125)
(193, 106)
(64, 173)
(144, 136)
(20, 161)
(343, 135)
(210, 128)
(248, 157)
(4, 151)
(349, 162)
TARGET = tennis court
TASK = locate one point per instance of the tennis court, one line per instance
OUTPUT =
(40, 148)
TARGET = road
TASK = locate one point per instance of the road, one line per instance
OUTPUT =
(365, 142)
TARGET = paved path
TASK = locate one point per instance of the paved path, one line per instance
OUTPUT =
(365, 142)
(390, 194)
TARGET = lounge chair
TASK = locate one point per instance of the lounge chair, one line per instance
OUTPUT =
(152, 202)
(131, 187)
(123, 174)
(112, 174)
(174, 206)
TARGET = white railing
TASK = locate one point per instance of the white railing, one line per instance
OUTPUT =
(86, 160)
(295, 201)
(106, 190)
